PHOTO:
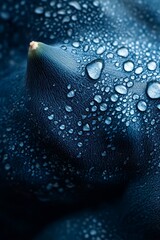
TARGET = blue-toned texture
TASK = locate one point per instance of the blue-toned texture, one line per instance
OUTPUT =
(80, 119)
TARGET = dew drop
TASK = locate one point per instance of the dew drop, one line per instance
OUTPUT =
(153, 90)
(158, 106)
(142, 106)
(114, 98)
(76, 44)
(121, 89)
(39, 10)
(75, 4)
(86, 128)
(51, 117)
(71, 94)
(108, 120)
(62, 127)
(103, 107)
(151, 65)
(68, 108)
(98, 98)
(100, 50)
(7, 166)
(128, 66)
(123, 52)
(94, 69)
(138, 70)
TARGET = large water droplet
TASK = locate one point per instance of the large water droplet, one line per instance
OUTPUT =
(94, 69)
(152, 65)
(123, 52)
(121, 89)
(128, 66)
(142, 106)
(153, 90)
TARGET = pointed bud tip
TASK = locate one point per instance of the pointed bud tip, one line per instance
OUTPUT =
(33, 45)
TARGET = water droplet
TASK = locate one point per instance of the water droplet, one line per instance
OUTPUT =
(68, 108)
(114, 98)
(123, 52)
(7, 166)
(93, 232)
(76, 44)
(80, 144)
(103, 107)
(128, 66)
(94, 109)
(110, 55)
(158, 106)
(71, 94)
(86, 128)
(151, 65)
(121, 89)
(5, 15)
(108, 120)
(98, 98)
(138, 70)
(100, 50)
(94, 69)
(153, 90)
(51, 117)
(39, 10)
(75, 4)
(142, 106)
(62, 127)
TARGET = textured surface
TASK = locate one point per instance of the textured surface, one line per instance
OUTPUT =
(80, 120)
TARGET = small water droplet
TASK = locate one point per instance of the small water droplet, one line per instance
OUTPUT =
(93, 232)
(108, 120)
(76, 44)
(75, 4)
(7, 166)
(151, 65)
(142, 106)
(100, 50)
(138, 70)
(86, 128)
(39, 10)
(62, 127)
(158, 106)
(98, 98)
(71, 94)
(121, 89)
(114, 98)
(68, 108)
(51, 117)
(103, 107)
